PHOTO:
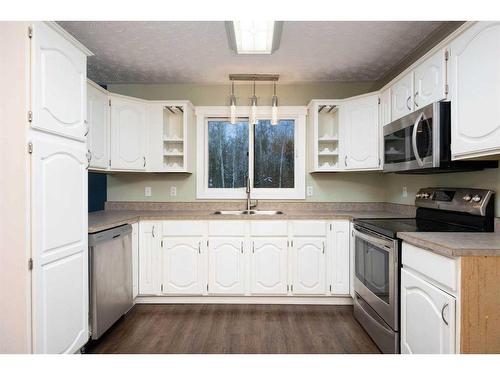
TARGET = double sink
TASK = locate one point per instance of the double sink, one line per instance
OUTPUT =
(249, 212)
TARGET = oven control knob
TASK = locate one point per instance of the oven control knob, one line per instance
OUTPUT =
(467, 197)
(476, 198)
(419, 195)
(425, 195)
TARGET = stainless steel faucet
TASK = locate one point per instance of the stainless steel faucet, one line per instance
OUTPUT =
(249, 201)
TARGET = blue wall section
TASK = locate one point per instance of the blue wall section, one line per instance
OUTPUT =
(98, 187)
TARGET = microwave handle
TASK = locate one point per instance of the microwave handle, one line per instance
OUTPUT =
(414, 139)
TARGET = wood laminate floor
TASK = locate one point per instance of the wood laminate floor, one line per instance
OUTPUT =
(239, 329)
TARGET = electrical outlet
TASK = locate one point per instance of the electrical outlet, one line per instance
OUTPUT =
(173, 191)
(310, 191)
(405, 192)
(147, 191)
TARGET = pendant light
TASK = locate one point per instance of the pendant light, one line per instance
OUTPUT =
(253, 109)
(274, 108)
(232, 105)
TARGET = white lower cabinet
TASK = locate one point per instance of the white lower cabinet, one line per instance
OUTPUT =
(269, 263)
(427, 317)
(183, 265)
(339, 257)
(135, 260)
(309, 266)
(226, 268)
(149, 257)
(236, 258)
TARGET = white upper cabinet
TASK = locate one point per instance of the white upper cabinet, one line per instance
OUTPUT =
(98, 117)
(360, 133)
(384, 111)
(183, 271)
(430, 80)
(309, 266)
(427, 317)
(59, 74)
(128, 133)
(149, 257)
(402, 97)
(475, 91)
(59, 244)
(339, 257)
(269, 266)
(226, 265)
(169, 124)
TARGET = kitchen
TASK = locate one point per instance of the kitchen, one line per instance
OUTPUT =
(252, 200)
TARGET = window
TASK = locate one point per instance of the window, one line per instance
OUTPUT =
(271, 157)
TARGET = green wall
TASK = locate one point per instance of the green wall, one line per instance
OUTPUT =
(330, 187)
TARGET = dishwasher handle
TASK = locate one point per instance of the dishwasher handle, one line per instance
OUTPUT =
(109, 234)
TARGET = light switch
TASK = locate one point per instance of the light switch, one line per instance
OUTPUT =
(310, 191)
(147, 191)
(173, 191)
(405, 192)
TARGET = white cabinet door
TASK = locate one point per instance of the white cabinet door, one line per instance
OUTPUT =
(226, 265)
(430, 80)
(427, 317)
(135, 260)
(59, 247)
(309, 266)
(339, 257)
(183, 266)
(384, 111)
(402, 97)
(128, 134)
(149, 257)
(98, 120)
(59, 74)
(269, 266)
(359, 133)
(475, 91)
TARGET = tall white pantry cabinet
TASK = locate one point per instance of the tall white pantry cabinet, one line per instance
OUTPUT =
(55, 117)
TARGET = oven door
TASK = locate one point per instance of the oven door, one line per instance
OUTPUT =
(376, 276)
(412, 142)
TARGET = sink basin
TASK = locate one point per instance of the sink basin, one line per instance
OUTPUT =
(248, 212)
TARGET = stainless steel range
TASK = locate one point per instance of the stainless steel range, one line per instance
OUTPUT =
(377, 258)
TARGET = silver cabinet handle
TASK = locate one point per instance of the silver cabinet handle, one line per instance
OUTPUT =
(408, 105)
(253, 247)
(345, 160)
(199, 247)
(153, 231)
(89, 158)
(323, 247)
(144, 166)
(442, 314)
(242, 247)
(415, 99)
(87, 127)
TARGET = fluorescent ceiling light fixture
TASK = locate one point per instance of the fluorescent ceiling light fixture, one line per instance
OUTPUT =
(254, 37)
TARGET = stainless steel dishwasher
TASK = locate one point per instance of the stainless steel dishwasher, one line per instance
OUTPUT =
(110, 260)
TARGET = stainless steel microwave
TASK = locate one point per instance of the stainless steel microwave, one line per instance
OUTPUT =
(420, 142)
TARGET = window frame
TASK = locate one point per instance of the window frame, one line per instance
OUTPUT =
(204, 114)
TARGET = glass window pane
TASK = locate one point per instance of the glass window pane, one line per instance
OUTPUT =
(227, 154)
(274, 154)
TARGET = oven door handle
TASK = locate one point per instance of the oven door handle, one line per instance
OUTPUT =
(414, 139)
(385, 244)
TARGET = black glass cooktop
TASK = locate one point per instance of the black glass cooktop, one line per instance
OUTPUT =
(390, 227)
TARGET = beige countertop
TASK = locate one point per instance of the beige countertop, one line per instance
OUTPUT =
(455, 244)
(106, 219)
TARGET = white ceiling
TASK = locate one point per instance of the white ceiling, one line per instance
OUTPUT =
(198, 51)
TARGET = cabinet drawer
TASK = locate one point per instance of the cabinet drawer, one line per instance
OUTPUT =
(229, 228)
(308, 228)
(184, 228)
(268, 228)
(435, 267)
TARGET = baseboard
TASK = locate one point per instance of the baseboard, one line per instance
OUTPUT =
(271, 300)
